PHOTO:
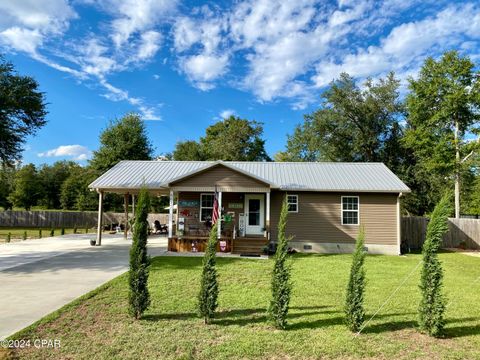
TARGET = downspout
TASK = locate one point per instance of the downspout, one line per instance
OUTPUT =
(399, 224)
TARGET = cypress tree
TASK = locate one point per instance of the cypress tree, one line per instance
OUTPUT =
(139, 297)
(9, 236)
(24, 237)
(52, 232)
(354, 312)
(281, 286)
(40, 233)
(208, 295)
(432, 303)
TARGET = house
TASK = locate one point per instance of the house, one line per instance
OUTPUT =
(327, 201)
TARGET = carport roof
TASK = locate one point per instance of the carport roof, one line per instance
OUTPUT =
(295, 176)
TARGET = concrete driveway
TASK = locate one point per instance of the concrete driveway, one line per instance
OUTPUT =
(40, 276)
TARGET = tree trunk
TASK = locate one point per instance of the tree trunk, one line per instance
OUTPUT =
(457, 173)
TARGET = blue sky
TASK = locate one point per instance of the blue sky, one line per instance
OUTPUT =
(183, 65)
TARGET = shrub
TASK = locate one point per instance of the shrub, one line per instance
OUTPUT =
(281, 286)
(52, 232)
(9, 236)
(208, 295)
(139, 297)
(432, 303)
(74, 229)
(62, 231)
(86, 230)
(354, 312)
(39, 233)
(24, 237)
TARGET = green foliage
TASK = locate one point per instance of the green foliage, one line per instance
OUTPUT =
(24, 236)
(231, 139)
(124, 139)
(39, 233)
(353, 124)
(62, 231)
(74, 229)
(51, 179)
(432, 305)
(52, 232)
(474, 198)
(281, 284)
(9, 236)
(138, 296)
(208, 295)
(354, 311)
(188, 150)
(22, 111)
(26, 187)
(7, 175)
(75, 194)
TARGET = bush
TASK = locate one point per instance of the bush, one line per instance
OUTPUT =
(432, 304)
(9, 237)
(62, 231)
(208, 295)
(281, 286)
(139, 297)
(24, 237)
(39, 233)
(74, 229)
(86, 230)
(354, 312)
(52, 232)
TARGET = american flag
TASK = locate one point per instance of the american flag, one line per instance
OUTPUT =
(215, 212)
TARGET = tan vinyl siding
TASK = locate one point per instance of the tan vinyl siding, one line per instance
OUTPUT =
(319, 218)
(220, 176)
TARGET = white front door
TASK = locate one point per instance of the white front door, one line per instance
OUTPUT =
(255, 214)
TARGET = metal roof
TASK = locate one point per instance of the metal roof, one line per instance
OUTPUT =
(299, 176)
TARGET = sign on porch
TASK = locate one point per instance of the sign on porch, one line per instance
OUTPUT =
(189, 203)
(235, 205)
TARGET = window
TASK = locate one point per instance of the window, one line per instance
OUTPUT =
(350, 210)
(292, 201)
(206, 206)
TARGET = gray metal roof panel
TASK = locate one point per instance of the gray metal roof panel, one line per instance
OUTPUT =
(306, 176)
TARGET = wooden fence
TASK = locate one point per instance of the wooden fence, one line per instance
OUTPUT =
(65, 219)
(460, 231)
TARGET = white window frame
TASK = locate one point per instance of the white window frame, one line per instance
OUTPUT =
(205, 207)
(357, 211)
(296, 202)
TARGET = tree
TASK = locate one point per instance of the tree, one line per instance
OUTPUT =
(26, 187)
(353, 124)
(232, 139)
(7, 175)
(22, 111)
(51, 179)
(208, 295)
(74, 193)
(124, 139)
(432, 304)
(354, 311)
(139, 297)
(474, 201)
(443, 109)
(188, 150)
(281, 285)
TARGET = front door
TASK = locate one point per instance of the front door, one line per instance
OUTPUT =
(255, 214)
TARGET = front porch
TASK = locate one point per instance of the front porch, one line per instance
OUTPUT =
(242, 245)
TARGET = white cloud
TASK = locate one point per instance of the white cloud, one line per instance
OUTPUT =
(75, 152)
(203, 69)
(406, 46)
(225, 114)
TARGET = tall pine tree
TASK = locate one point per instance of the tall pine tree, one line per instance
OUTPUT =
(208, 295)
(139, 297)
(354, 312)
(432, 304)
(281, 285)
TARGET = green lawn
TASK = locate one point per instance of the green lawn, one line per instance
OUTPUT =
(97, 325)
(32, 233)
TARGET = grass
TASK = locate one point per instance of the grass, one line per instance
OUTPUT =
(32, 233)
(97, 325)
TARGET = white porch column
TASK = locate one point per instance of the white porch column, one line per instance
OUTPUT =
(133, 205)
(100, 218)
(219, 229)
(267, 215)
(170, 216)
(125, 233)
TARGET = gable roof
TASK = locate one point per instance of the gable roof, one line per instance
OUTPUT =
(294, 176)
